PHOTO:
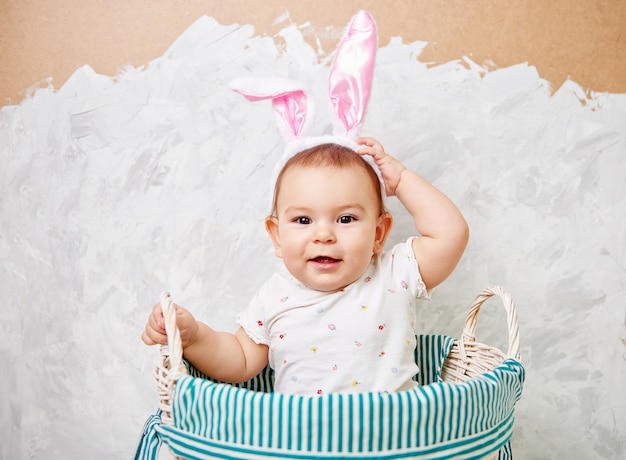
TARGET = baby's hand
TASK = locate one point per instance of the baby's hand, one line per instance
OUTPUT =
(390, 168)
(154, 333)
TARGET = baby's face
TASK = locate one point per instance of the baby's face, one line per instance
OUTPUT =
(327, 225)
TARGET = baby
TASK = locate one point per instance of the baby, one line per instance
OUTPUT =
(341, 317)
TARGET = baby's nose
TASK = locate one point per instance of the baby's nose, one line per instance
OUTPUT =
(324, 234)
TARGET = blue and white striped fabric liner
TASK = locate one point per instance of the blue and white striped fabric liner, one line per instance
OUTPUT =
(149, 443)
(436, 420)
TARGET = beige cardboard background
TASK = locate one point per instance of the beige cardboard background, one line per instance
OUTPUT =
(580, 40)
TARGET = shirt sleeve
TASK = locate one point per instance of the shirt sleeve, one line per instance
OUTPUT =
(254, 319)
(405, 269)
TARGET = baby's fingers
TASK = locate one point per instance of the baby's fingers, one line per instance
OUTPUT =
(156, 320)
(151, 337)
(154, 332)
(370, 142)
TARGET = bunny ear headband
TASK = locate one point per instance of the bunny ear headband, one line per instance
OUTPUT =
(349, 86)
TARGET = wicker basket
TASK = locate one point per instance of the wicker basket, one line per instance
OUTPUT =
(469, 358)
(465, 360)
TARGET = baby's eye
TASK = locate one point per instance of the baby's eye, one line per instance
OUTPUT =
(302, 220)
(346, 219)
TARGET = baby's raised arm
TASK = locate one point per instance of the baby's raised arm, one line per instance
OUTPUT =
(220, 355)
(443, 229)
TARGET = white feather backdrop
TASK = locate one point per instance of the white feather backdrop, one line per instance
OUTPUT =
(114, 189)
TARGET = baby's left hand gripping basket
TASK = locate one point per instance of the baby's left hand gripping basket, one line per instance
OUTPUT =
(463, 408)
(166, 374)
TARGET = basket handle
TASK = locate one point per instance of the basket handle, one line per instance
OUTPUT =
(469, 331)
(174, 348)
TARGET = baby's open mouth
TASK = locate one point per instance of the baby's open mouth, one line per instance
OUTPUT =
(325, 260)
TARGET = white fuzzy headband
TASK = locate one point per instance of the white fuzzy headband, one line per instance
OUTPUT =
(349, 87)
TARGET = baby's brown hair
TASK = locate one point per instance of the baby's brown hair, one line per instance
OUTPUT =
(332, 156)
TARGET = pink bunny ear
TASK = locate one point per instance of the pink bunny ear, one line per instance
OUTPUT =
(293, 107)
(351, 74)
